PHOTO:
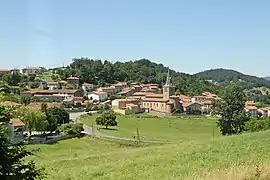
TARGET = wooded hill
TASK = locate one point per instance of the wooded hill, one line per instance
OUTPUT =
(224, 76)
(105, 72)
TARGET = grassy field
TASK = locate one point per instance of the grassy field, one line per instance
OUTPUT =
(194, 154)
(160, 128)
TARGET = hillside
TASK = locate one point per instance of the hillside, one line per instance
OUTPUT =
(230, 157)
(267, 78)
(223, 76)
(105, 72)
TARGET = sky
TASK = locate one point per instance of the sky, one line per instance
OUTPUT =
(186, 35)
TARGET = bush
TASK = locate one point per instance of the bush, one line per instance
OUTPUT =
(257, 125)
(70, 128)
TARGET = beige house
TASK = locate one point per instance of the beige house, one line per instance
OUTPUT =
(252, 110)
(73, 81)
(16, 130)
(126, 106)
(265, 111)
(31, 70)
(192, 107)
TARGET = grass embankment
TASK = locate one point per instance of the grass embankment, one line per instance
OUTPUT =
(223, 158)
(175, 129)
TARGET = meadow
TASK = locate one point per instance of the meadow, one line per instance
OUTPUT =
(193, 153)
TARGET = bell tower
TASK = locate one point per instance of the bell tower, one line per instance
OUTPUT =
(168, 88)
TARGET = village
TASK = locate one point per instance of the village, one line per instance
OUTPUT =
(122, 97)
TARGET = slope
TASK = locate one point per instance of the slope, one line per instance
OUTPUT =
(105, 72)
(89, 158)
(223, 76)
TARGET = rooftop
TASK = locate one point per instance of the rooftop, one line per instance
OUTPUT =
(16, 122)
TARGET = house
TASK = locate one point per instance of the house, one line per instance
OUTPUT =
(265, 111)
(98, 96)
(252, 110)
(192, 107)
(53, 85)
(87, 87)
(137, 88)
(16, 130)
(38, 105)
(126, 106)
(162, 103)
(31, 70)
(73, 81)
(57, 94)
(184, 98)
(127, 92)
(117, 87)
(3, 71)
(108, 90)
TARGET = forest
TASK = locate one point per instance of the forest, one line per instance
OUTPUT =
(103, 73)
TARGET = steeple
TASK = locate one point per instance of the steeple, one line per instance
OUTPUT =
(168, 79)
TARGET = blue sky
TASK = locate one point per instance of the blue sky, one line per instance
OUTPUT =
(189, 36)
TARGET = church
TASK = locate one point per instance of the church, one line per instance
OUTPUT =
(162, 103)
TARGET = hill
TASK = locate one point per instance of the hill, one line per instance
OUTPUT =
(224, 76)
(105, 72)
(230, 157)
(267, 78)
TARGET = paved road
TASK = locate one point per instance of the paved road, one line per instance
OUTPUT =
(90, 131)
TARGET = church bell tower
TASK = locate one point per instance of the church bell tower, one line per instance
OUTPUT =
(168, 88)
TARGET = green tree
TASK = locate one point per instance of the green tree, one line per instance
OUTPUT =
(33, 119)
(107, 119)
(231, 109)
(5, 78)
(60, 115)
(12, 157)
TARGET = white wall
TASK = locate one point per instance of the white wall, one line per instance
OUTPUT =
(98, 97)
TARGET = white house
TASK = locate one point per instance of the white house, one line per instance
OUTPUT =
(252, 110)
(87, 86)
(98, 96)
(16, 129)
(265, 111)
(53, 85)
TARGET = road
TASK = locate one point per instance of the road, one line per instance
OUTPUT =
(93, 132)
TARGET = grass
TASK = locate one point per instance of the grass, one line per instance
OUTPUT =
(160, 128)
(194, 154)
(46, 76)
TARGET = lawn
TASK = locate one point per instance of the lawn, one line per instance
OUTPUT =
(230, 157)
(175, 129)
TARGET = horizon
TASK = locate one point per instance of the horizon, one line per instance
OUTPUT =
(189, 36)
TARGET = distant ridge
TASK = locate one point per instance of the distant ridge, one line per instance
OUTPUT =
(224, 76)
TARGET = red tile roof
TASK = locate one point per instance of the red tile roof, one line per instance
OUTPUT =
(68, 91)
(251, 107)
(16, 122)
(142, 93)
(72, 78)
(38, 105)
(31, 68)
(154, 96)
(155, 100)
(4, 70)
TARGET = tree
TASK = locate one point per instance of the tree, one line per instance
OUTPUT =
(107, 119)
(13, 164)
(33, 119)
(59, 114)
(231, 109)
(5, 78)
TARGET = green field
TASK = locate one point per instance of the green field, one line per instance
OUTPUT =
(176, 129)
(193, 153)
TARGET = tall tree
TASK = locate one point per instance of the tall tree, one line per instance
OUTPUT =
(231, 109)
(33, 119)
(107, 119)
(12, 157)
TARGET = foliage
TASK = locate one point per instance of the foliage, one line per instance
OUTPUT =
(145, 71)
(225, 76)
(107, 119)
(34, 119)
(257, 125)
(70, 128)
(13, 164)
(231, 109)
(9, 97)
(55, 117)
(99, 107)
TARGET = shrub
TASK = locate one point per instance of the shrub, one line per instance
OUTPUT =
(257, 125)
(70, 128)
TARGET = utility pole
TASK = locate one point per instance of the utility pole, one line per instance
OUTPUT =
(138, 135)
